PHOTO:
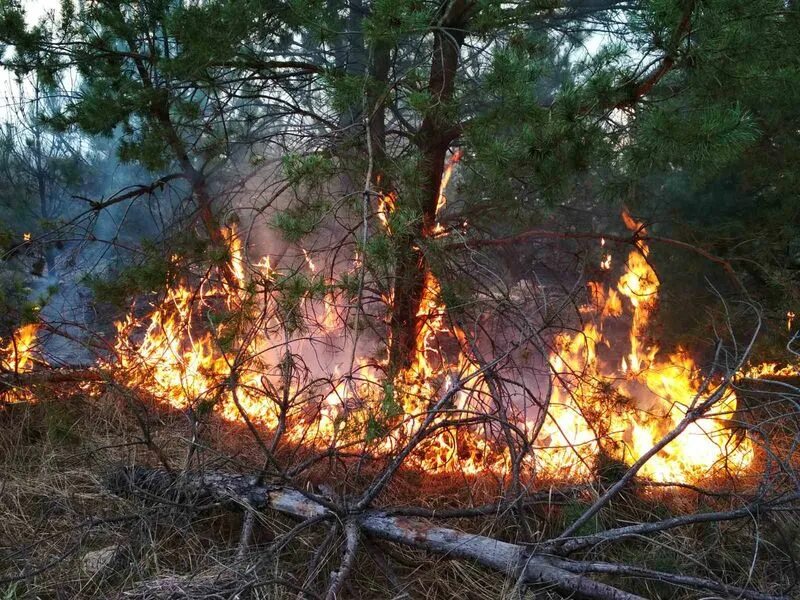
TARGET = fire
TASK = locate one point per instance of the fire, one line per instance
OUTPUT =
(188, 351)
(172, 354)
(772, 369)
(429, 376)
(176, 360)
(309, 261)
(237, 260)
(599, 406)
(639, 285)
(623, 408)
(441, 201)
(17, 355)
(386, 204)
(452, 449)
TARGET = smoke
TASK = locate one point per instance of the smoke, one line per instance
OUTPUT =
(327, 343)
(83, 242)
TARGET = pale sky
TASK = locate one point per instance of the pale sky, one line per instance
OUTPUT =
(36, 8)
(9, 92)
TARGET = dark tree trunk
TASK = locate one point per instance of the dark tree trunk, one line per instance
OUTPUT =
(433, 141)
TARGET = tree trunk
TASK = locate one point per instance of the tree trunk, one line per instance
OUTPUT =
(433, 141)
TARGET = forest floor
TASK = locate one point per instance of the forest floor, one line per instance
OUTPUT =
(64, 534)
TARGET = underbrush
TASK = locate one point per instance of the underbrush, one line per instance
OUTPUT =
(63, 534)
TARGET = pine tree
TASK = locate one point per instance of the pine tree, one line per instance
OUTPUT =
(391, 88)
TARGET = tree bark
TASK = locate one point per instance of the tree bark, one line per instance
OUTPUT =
(433, 142)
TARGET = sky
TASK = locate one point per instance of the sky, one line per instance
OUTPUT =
(9, 92)
(36, 8)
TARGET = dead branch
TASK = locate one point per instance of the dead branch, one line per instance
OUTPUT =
(514, 560)
(699, 583)
(623, 533)
(338, 577)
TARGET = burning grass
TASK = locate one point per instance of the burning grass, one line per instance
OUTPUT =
(214, 347)
(212, 376)
(59, 517)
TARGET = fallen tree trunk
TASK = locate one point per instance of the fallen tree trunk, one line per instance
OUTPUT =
(516, 561)
(10, 379)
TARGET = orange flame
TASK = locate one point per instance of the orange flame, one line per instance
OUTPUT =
(441, 201)
(602, 404)
(619, 408)
(429, 376)
(17, 355)
(624, 409)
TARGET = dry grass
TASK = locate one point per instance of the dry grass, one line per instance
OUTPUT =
(63, 535)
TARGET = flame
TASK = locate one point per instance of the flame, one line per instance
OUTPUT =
(171, 353)
(330, 322)
(623, 409)
(264, 265)
(771, 369)
(386, 206)
(789, 320)
(429, 376)
(185, 353)
(17, 355)
(441, 200)
(26, 237)
(309, 261)
(597, 408)
(630, 222)
(236, 248)
(605, 402)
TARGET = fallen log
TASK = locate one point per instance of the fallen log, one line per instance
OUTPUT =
(519, 562)
(10, 379)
